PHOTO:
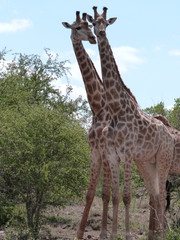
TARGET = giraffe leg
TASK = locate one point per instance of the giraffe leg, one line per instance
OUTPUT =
(161, 206)
(115, 202)
(164, 159)
(114, 166)
(150, 176)
(127, 195)
(94, 176)
(105, 196)
(113, 160)
(152, 217)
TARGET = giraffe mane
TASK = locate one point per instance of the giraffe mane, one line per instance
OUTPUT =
(126, 88)
(123, 84)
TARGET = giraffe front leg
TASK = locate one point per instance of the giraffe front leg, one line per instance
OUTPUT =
(94, 176)
(127, 165)
(115, 201)
(152, 218)
(114, 166)
(106, 191)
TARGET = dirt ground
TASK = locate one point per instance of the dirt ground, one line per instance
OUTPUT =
(71, 216)
(62, 224)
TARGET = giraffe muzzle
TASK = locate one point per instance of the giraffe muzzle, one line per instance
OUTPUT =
(102, 33)
(92, 40)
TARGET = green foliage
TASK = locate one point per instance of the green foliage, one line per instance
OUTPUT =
(157, 109)
(119, 238)
(174, 115)
(173, 234)
(44, 152)
(26, 79)
(137, 180)
(6, 212)
(17, 225)
(43, 147)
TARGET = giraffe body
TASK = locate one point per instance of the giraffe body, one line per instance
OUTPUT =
(174, 169)
(132, 135)
(175, 165)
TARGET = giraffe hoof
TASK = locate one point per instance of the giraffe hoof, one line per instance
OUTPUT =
(113, 237)
(129, 236)
(80, 234)
(103, 236)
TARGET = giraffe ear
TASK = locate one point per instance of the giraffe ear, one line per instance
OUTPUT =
(66, 24)
(90, 18)
(111, 20)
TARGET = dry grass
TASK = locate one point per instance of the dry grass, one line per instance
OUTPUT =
(66, 229)
(63, 223)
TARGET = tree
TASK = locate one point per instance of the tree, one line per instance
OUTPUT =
(27, 79)
(172, 114)
(175, 114)
(157, 109)
(45, 156)
(44, 152)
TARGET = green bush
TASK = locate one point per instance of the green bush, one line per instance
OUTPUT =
(6, 212)
(173, 234)
(44, 156)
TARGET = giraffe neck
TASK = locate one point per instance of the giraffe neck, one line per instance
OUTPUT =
(92, 81)
(117, 94)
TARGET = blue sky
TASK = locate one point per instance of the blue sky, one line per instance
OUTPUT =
(145, 40)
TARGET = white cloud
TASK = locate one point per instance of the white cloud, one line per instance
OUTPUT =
(170, 107)
(127, 57)
(15, 11)
(91, 52)
(75, 73)
(76, 92)
(14, 25)
(175, 52)
(157, 48)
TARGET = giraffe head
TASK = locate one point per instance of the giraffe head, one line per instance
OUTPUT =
(100, 22)
(81, 30)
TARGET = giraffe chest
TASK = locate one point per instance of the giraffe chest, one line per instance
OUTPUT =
(96, 136)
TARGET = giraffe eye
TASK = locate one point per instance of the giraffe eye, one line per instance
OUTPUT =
(78, 28)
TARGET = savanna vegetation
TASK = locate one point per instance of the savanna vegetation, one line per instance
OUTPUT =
(44, 154)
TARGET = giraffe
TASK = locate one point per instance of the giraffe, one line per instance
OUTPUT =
(80, 30)
(131, 134)
(174, 168)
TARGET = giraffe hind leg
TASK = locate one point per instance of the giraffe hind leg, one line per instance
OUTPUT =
(150, 176)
